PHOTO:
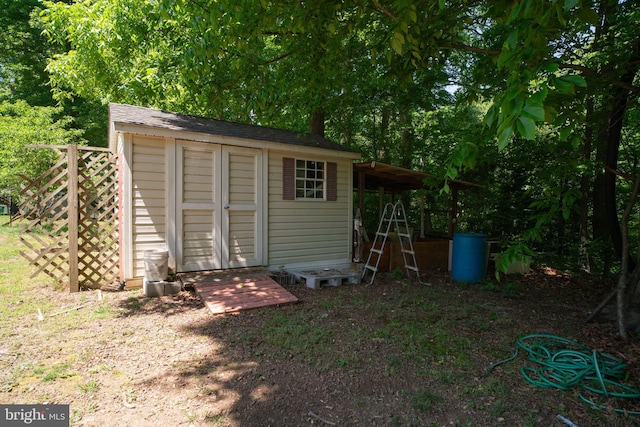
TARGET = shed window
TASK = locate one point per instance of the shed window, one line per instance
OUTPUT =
(310, 179)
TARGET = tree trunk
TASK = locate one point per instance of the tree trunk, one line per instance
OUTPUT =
(585, 183)
(622, 301)
(619, 99)
(317, 123)
(596, 120)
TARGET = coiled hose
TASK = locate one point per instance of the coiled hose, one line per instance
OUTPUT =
(565, 364)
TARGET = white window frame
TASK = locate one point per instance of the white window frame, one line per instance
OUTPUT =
(306, 180)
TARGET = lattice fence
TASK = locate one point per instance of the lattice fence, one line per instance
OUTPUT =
(71, 214)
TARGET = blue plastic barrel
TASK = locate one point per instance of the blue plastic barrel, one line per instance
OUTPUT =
(469, 257)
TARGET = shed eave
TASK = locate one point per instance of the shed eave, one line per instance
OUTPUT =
(122, 127)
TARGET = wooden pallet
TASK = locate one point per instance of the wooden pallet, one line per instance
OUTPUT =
(315, 279)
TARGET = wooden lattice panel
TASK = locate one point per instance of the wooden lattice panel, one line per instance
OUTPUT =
(97, 231)
(44, 207)
(48, 206)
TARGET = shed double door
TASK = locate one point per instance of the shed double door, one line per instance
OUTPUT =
(218, 211)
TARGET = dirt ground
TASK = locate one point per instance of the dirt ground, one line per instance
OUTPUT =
(169, 362)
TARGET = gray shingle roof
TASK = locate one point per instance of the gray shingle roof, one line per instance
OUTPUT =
(128, 114)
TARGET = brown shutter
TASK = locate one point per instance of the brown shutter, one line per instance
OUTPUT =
(288, 178)
(332, 181)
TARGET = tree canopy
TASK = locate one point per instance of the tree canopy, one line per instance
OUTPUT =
(22, 125)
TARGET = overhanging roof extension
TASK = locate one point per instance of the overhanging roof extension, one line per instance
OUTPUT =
(397, 179)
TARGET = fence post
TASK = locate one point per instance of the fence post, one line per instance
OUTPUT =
(72, 217)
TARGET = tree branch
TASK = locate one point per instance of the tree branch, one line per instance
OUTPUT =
(384, 10)
(619, 173)
(591, 72)
(473, 49)
(582, 69)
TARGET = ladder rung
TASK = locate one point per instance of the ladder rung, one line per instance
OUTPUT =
(378, 233)
(407, 251)
(410, 267)
(404, 234)
(378, 251)
(370, 267)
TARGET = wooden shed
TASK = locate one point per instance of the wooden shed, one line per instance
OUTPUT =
(219, 195)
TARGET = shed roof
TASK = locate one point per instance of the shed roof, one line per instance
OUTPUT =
(395, 178)
(132, 115)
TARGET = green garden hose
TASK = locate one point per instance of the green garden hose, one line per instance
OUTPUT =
(565, 364)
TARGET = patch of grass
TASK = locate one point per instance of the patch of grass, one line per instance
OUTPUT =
(511, 290)
(136, 303)
(56, 372)
(332, 303)
(63, 315)
(89, 387)
(215, 419)
(423, 400)
(488, 285)
(446, 376)
(398, 273)
(295, 335)
(17, 298)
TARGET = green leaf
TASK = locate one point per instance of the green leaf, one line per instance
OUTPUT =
(574, 80)
(512, 40)
(563, 86)
(538, 97)
(565, 132)
(534, 112)
(551, 67)
(504, 137)
(490, 117)
(526, 127)
(570, 4)
(514, 92)
(588, 15)
(396, 45)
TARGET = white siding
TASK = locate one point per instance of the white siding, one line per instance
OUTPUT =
(308, 231)
(149, 226)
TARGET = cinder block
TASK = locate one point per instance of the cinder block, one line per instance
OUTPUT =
(171, 288)
(153, 289)
(312, 282)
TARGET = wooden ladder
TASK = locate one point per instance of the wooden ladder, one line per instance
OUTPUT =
(393, 214)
